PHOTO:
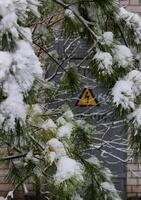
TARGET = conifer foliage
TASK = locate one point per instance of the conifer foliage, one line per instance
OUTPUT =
(114, 55)
(37, 144)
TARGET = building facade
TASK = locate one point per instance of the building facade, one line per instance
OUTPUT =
(133, 169)
(132, 5)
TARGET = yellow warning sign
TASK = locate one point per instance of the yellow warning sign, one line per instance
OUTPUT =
(87, 98)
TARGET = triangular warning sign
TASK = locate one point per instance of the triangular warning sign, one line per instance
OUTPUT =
(87, 98)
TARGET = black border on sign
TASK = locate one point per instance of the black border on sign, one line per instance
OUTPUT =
(76, 104)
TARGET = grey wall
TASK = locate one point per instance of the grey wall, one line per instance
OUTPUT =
(115, 133)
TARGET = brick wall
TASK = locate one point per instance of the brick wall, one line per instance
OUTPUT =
(134, 180)
(134, 169)
(5, 186)
(132, 5)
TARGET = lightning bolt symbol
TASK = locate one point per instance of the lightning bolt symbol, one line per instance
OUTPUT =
(87, 96)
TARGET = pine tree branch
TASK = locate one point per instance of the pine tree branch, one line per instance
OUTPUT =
(81, 19)
(9, 144)
(36, 142)
(46, 52)
(13, 157)
(59, 64)
(59, 2)
(121, 32)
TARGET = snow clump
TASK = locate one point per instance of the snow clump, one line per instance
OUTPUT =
(68, 168)
(54, 145)
(69, 14)
(20, 67)
(122, 56)
(104, 61)
(108, 38)
(123, 94)
(65, 131)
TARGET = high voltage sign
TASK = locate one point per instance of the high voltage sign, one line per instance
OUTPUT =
(87, 98)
